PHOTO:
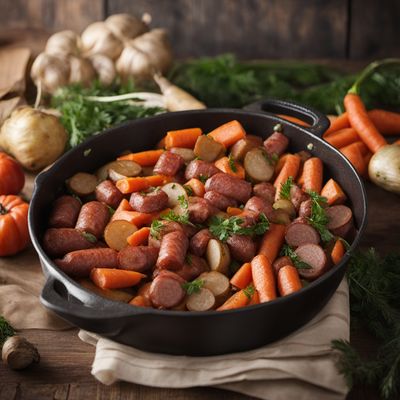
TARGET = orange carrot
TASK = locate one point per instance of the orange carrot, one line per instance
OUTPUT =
(387, 122)
(353, 153)
(146, 158)
(396, 142)
(229, 133)
(281, 162)
(233, 211)
(367, 157)
(363, 148)
(130, 185)
(242, 277)
(140, 301)
(231, 167)
(333, 193)
(361, 122)
(290, 168)
(272, 241)
(297, 121)
(123, 206)
(139, 237)
(182, 138)
(237, 300)
(112, 278)
(197, 187)
(312, 174)
(134, 217)
(338, 251)
(288, 280)
(255, 299)
(263, 278)
(342, 138)
(341, 122)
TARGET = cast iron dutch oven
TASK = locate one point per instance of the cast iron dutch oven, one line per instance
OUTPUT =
(179, 332)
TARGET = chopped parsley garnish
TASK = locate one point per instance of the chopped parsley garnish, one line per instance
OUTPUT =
(155, 228)
(193, 287)
(249, 291)
(271, 158)
(318, 218)
(289, 252)
(181, 218)
(203, 178)
(232, 164)
(188, 189)
(89, 237)
(285, 188)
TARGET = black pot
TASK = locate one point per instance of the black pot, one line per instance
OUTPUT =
(189, 333)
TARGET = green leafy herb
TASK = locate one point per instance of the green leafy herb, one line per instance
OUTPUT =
(249, 291)
(188, 189)
(155, 228)
(285, 188)
(172, 216)
(193, 287)
(232, 164)
(183, 202)
(318, 218)
(271, 158)
(111, 211)
(289, 252)
(203, 178)
(6, 330)
(89, 237)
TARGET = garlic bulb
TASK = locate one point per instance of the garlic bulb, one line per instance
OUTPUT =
(97, 38)
(51, 71)
(81, 71)
(104, 68)
(126, 26)
(133, 63)
(63, 43)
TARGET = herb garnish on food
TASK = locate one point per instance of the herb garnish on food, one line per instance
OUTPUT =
(194, 286)
(318, 218)
(285, 188)
(232, 164)
(249, 291)
(155, 228)
(289, 252)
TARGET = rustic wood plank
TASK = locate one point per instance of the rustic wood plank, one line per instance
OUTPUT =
(249, 28)
(8, 391)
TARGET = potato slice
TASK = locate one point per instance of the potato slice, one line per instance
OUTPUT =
(243, 146)
(218, 284)
(187, 154)
(203, 300)
(123, 169)
(82, 184)
(116, 233)
(174, 191)
(257, 165)
(285, 205)
(207, 149)
(218, 256)
(112, 294)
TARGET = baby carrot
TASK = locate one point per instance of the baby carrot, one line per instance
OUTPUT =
(353, 153)
(136, 184)
(338, 251)
(197, 187)
(230, 166)
(361, 122)
(363, 148)
(263, 278)
(140, 301)
(139, 237)
(255, 299)
(272, 241)
(146, 158)
(242, 277)
(312, 175)
(134, 217)
(387, 122)
(281, 162)
(341, 122)
(290, 168)
(229, 133)
(233, 211)
(237, 300)
(342, 138)
(397, 142)
(112, 278)
(182, 138)
(123, 206)
(288, 280)
(333, 193)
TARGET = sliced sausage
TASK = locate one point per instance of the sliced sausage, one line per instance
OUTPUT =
(305, 209)
(297, 196)
(168, 164)
(193, 267)
(229, 186)
(200, 169)
(249, 218)
(340, 220)
(266, 191)
(93, 218)
(106, 192)
(242, 248)
(137, 258)
(173, 250)
(280, 263)
(166, 227)
(198, 209)
(149, 202)
(79, 263)
(166, 290)
(219, 201)
(58, 242)
(315, 257)
(277, 143)
(198, 243)
(299, 232)
(258, 205)
(65, 212)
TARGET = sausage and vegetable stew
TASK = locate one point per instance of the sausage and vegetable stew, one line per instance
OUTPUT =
(204, 222)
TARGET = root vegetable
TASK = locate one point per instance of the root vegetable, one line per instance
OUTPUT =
(63, 43)
(18, 353)
(81, 70)
(126, 26)
(104, 67)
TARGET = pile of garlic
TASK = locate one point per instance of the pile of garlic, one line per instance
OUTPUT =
(121, 45)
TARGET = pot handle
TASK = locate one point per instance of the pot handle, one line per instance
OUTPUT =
(318, 122)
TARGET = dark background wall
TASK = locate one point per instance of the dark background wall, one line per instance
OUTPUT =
(335, 29)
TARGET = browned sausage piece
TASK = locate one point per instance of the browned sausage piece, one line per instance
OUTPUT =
(276, 143)
(107, 192)
(166, 290)
(266, 191)
(229, 186)
(193, 267)
(93, 218)
(199, 242)
(65, 212)
(258, 205)
(166, 227)
(198, 209)
(79, 263)
(249, 218)
(297, 196)
(200, 169)
(299, 232)
(315, 257)
(173, 250)
(137, 258)
(340, 220)
(168, 164)
(58, 242)
(280, 263)
(305, 208)
(242, 248)
(149, 202)
(219, 200)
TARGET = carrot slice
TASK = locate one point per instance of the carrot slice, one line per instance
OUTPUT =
(338, 251)
(263, 278)
(231, 167)
(146, 158)
(342, 137)
(312, 175)
(333, 193)
(112, 278)
(233, 211)
(272, 241)
(182, 138)
(237, 300)
(130, 185)
(134, 217)
(197, 187)
(139, 237)
(242, 277)
(290, 168)
(387, 122)
(353, 153)
(288, 280)
(229, 133)
(341, 122)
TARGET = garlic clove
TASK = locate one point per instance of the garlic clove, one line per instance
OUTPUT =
(134, 63)
(63, 43)
(104, 67)
(81, 71)
(126, 26)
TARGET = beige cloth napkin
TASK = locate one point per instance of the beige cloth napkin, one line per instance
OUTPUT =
(300, 366)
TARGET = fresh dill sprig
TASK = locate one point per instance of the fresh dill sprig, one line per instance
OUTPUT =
(318, 218)
(285, 188)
